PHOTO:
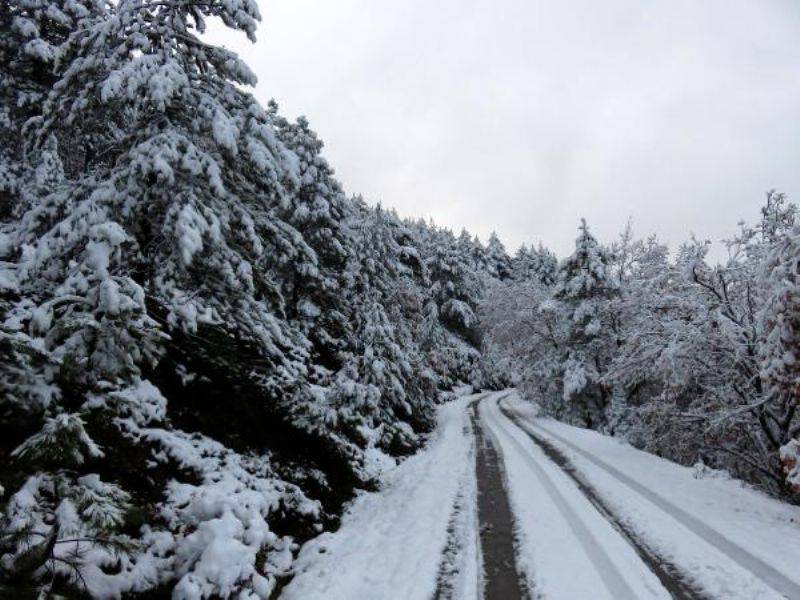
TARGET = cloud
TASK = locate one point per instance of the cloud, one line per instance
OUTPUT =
(523, 116)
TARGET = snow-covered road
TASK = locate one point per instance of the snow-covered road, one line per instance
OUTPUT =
(567, 548)
(591, 517)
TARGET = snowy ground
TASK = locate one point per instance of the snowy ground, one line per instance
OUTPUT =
(417, 535)
(594, 518)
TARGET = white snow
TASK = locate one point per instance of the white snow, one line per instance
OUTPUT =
(190, 228)
(729, 539)
(7, 279)
(722, 536)
(225, 131)
(390, 543)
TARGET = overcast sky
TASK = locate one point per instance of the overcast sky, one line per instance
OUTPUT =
(522, 116)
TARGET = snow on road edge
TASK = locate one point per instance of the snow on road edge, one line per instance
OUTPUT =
(390, 543)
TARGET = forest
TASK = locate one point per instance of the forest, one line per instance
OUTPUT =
(207, 346)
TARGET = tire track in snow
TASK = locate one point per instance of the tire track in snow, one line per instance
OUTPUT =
(615, 583)
(449, 567)
(452, 563)
(757, 567)
(668, 574)
(495, 520)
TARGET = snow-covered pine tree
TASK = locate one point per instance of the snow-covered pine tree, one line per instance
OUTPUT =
(496, 258)
(522, 263)
(378, 396)
(317, 291)
(545, 264)
(535, 263)
(584, 287)
(385, 302)
(162, 237)
(31, 33)
(456, 288)
(469, 248)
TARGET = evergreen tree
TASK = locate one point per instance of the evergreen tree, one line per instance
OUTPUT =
(164, 236)
(322, 214)
(522, 263)
(31, 34)
(585, 287)
(496, 259)
(385, 355)
(539, 264)
(456, 289)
